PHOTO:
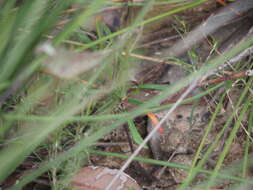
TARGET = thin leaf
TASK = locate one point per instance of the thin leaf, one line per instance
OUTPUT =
(134, 132)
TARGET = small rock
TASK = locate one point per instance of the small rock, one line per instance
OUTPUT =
(97, 178)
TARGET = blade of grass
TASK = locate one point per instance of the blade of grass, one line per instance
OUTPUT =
(134, 132)
(214, 144)
(247, 145)
(152, 86)
(7, 21)
(26, 105)
(20, 79)
(202, 143)
(24, 39)
(15, 153)
(44, 24)
(103, 117)
(224, 175)
(228, 143)
(4, 85)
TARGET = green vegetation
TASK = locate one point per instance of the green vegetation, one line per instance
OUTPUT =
(66, 116)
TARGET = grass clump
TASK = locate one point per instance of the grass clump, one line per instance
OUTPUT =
(45, 110)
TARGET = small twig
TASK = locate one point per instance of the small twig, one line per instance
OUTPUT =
(205, 83)
(156, 60)
(71, 10)
(50, 37)
(161, 172)
(62, 22)
(130, 143)
(229, 77)
(110, 144)
(158, 41)
(71, 42)
(237, 116)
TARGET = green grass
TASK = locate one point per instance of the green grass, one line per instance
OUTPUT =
(46, 112)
